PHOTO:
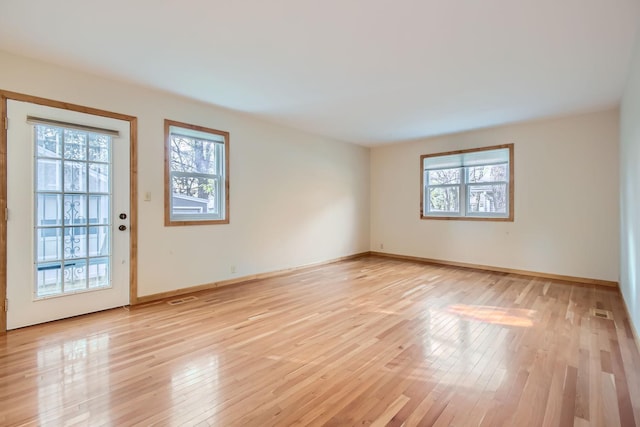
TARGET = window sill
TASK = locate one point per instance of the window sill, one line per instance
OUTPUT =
(468, 218)
(196, 222)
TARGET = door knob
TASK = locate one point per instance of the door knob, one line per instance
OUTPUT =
(123, 216)
(122, 227)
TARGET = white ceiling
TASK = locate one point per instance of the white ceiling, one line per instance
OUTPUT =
(364, 71)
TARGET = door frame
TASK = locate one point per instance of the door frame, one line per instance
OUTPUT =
(133, 188)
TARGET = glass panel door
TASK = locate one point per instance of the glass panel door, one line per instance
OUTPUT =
(68, 241)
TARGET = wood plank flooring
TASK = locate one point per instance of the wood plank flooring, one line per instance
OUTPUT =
(366, 341)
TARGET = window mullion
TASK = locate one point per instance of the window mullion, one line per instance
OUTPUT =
(463, 191)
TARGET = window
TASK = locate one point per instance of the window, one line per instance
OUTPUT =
(474, 184)
(196, 175)
(72, 215)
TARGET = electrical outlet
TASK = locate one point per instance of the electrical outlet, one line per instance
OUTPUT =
(233, 269)
(381, 245)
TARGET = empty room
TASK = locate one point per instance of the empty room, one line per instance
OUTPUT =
(409, 213)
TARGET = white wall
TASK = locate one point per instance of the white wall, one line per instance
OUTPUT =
(295, 198)
(630, 190)
(566, 200)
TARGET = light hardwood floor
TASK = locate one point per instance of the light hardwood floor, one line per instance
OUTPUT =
(366, 341)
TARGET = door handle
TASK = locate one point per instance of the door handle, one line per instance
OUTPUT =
(122, 227)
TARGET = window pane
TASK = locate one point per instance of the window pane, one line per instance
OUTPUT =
(194, 195)
(75, 176)
(75, 242)
(75, 275)
(98, 241)
(99, 148)
(443, 176)
(49, 209)
(98, 178)
(194, 155)
(75, 144)
(48, 244)
(487, 198)
(49, 175)
(99, 273)
(75, 209)
(490, 173)
(99, 210)
(49, 141)
(444, 199)
(48, 279)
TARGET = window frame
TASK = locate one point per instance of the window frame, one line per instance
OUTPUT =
(464, 185)
(168, 187)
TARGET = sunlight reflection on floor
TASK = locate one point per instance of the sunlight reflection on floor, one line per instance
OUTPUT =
(495, 315)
